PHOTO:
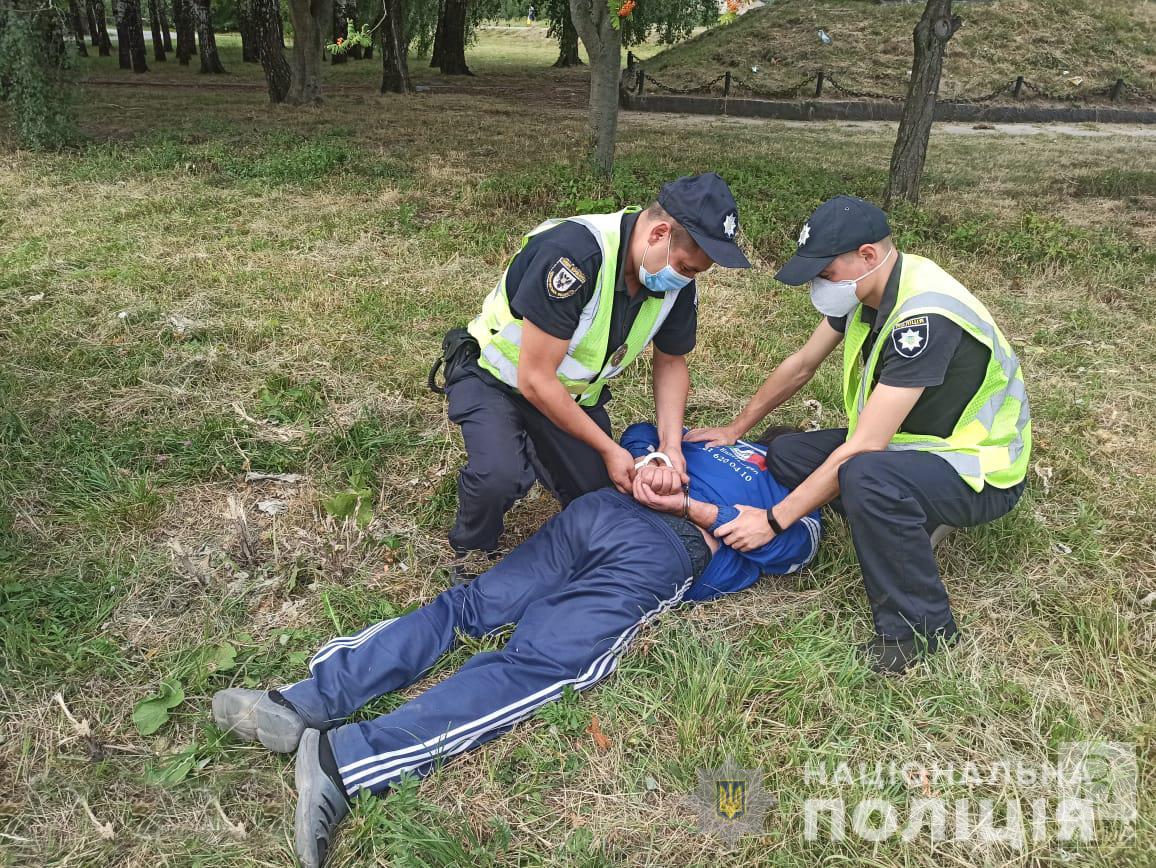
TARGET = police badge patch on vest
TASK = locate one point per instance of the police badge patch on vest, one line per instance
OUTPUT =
(910, 336)
(618, 356)
(564, 278)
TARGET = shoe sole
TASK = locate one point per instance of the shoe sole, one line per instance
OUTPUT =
(278, 728)
(275, 727)
(235, 714)
(308, 794)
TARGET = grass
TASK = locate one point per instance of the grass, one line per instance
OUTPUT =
(317, 257)
(1061, 46)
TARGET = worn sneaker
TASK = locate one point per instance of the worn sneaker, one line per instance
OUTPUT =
(321, 804)
(252, 715)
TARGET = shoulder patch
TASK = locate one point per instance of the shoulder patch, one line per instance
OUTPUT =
(911, 336)
(564, 278)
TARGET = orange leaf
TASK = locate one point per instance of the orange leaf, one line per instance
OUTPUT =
(595, 730)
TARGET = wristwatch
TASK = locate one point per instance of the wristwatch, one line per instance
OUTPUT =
(774, 522)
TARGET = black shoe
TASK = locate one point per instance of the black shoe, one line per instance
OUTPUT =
(774, 432)
(468, 565)
(896, 656)
(461, 574)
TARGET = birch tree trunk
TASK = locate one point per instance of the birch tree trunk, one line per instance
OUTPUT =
(936, 26)
(604, 47)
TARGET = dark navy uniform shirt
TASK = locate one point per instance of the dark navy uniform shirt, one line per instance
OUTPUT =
(934, 353)
(552, 278)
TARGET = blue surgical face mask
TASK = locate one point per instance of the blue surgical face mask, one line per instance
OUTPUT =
(666, 279)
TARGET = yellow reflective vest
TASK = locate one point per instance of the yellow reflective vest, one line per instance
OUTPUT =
(992, 441)
(584, 369)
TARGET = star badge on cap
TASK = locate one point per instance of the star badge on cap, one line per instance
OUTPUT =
(730, 225)
(804, 234)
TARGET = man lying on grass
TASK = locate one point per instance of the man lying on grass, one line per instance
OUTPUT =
(579, 590)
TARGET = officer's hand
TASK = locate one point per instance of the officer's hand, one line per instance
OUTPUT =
(620, 466)
(661, 479)
(721, 436)
(747, 532)
(678, 460)
(647, 496)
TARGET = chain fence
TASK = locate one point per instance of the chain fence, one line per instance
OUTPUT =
(636, 80)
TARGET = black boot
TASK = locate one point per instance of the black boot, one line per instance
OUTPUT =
(896, 656)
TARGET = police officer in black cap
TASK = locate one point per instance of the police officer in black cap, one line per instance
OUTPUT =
(939, 430)
(580, 300)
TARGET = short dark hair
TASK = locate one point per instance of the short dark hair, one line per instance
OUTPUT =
(680, 237)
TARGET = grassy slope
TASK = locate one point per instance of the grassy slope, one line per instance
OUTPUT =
(320, 255)
(1046, 41)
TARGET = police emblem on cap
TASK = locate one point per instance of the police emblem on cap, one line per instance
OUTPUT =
(730, 225)
(619, 355)
(804, 234)
(910, 336)
(564, 278)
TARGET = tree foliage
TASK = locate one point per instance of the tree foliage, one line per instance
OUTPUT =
(36, 72)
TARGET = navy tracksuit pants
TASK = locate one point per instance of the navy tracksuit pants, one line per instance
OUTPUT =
(579, 590)
(509, 443)
(893, 500)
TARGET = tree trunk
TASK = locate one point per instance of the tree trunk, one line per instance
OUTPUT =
(210, 60)
(310, 18)
(164, 13)
(245, 26)
(394, 48)
(77, 27)
(435, 58)
(98, 15)
(155, 27)
(453, 56)
(122, 39)
(130, 44)
(93, 33)
(267, 38)
(340, 31)
(935, 28)
(137, 50)
(567, 42)
(186, 40)
(604, 48)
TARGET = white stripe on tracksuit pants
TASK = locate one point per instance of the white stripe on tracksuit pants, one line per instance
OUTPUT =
(579, 591)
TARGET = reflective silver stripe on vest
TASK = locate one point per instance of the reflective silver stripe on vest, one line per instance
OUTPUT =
(507, 370)
(988, 411)
(964, 464)
(590, 311)
(1007, 361)
(568, 367)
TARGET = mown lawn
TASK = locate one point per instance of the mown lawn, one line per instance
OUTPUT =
(209, 288)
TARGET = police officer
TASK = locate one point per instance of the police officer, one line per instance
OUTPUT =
(578, 303)
(938, 434)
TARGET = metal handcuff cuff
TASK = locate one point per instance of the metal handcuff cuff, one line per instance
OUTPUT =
(665, 459)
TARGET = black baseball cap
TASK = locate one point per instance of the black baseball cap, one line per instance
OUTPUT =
(837, 226)
(704, 207)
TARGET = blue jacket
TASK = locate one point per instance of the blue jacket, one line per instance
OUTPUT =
(728, 476)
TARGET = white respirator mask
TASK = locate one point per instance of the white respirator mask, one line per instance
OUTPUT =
(839, 297)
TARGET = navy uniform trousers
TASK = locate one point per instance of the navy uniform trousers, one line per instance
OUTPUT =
(509, 442)
(893, 501)
(579, 590)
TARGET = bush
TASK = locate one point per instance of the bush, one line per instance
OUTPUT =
(35, 73)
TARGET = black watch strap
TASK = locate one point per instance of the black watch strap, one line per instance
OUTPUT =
(773, 522)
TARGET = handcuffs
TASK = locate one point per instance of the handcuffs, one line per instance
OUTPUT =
(652, 456)
(665, 459)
